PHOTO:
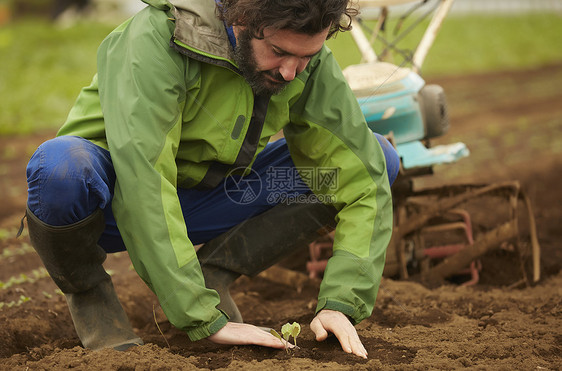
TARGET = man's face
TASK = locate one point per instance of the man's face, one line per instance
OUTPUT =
(269, 64)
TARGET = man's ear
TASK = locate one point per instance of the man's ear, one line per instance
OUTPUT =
(236, 30)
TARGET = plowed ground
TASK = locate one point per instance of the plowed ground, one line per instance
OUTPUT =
(511, 122)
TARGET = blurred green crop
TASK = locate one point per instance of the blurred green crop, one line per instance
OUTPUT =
(475, 43)
(43, 67)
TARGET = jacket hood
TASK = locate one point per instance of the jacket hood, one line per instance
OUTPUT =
(197, 25)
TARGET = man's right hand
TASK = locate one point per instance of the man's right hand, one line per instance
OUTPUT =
(246, 334)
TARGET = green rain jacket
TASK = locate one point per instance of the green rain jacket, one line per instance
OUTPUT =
(169, 104)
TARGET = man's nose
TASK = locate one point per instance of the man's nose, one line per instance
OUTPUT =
(291, 67)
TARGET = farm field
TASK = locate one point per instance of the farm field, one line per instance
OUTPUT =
(512, 124)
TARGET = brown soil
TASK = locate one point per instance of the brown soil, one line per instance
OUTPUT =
(512, 123)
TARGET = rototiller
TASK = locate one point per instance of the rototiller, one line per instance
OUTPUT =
(438, 232)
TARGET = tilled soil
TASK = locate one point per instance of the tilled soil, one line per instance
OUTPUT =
(511, 122)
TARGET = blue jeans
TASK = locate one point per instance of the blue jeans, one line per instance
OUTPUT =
(70, 177)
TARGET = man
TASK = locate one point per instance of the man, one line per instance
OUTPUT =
(151, 158)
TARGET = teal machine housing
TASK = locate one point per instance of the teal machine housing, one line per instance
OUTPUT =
(397, 103)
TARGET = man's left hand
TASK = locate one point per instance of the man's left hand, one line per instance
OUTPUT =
(337, 323)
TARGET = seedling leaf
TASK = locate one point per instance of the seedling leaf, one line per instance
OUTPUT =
(276, 334)
(286, 329)
(295, 331)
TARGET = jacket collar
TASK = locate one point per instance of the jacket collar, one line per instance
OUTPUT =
(197, 27)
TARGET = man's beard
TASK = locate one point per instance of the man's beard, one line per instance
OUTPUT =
(258, 81)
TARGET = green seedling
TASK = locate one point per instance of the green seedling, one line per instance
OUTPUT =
(36, 274)
(288, 330)
(47, 295)
(22, 299)
(23, 249)
(4, 234)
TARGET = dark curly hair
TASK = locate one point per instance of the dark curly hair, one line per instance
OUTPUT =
(303, 16)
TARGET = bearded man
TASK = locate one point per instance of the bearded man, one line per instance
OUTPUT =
(169, 147)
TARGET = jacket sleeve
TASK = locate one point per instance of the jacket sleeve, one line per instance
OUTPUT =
(329, 134)
(142, 90)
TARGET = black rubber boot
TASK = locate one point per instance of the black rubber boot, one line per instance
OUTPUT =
(258, 243)
(220, 279)
(74, 261)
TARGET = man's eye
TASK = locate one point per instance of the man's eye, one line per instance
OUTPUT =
(278, 53)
